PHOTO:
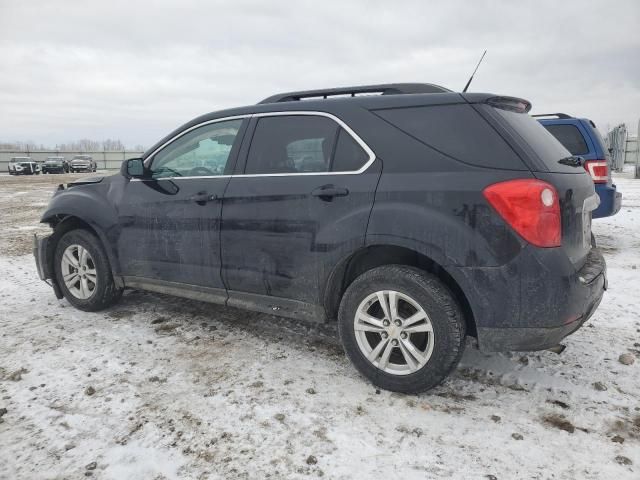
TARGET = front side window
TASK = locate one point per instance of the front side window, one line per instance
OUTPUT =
(204, 151)
(302, 144)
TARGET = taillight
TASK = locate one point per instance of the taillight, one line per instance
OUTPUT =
(598, 169)
(531, 207)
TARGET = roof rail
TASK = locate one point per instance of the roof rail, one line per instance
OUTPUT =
(384, 89)
(557, 115)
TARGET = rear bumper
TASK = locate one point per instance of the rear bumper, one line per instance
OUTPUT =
(610, 200)
(535, 301)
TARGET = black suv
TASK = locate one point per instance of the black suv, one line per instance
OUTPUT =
(412, 214)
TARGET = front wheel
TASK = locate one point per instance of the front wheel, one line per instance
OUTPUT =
(83, 272)
(402, 328)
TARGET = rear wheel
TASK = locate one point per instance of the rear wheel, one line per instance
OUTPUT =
(402, 328)
(83, 272)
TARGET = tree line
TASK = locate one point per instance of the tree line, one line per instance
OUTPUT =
(82, 145)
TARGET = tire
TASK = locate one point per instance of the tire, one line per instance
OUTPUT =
(440, 349)
(104, 292)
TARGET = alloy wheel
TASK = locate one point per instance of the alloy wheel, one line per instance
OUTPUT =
(79, 271)
(394, 332)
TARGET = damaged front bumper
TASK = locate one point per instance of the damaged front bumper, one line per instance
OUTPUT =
(44, 263)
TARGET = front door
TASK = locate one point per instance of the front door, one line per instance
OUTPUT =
(170, 220)
(300, 203)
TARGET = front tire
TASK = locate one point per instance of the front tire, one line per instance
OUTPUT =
(83, 272)
(402, 328)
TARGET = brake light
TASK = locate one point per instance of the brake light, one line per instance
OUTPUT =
(531, 207)
(598, 169)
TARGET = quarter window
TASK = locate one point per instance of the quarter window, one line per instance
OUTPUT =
(349, 155)
(204, 151)
(302, 144)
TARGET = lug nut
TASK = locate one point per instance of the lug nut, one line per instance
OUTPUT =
(385, 334)
(386, 323)
(403, 335)
(398, 323)
(394, 342)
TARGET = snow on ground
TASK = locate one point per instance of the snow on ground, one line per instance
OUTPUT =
(162, 388)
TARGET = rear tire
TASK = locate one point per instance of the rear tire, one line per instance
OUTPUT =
(424, 332)
(92, 287)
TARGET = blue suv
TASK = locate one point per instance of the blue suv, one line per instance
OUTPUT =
(581, 137)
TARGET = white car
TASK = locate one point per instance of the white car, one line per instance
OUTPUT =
(23, 166)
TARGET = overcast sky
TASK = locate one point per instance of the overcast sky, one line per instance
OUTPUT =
(121, 69)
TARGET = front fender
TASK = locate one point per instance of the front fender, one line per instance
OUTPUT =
(89, 205)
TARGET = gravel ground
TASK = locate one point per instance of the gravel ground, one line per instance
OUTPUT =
(22, 200)
(163, 388)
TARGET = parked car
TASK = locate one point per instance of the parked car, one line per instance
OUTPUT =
(55, 165)
(581, 137)
(422, 217)
(23, 166)
(82, 163)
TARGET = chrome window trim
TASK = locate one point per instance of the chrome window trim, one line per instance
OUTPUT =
(172, 139)
(347, 128)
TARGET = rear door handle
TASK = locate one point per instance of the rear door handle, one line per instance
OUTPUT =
(201, 198)
(327, 192)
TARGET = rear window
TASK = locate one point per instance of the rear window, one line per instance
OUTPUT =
(570, 137)
(541, 143)
(458, 131)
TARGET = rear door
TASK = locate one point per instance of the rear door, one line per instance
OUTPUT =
(299, 203)
(170, 221)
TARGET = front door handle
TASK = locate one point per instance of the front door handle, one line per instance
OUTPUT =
(201, 198)
(327, 192)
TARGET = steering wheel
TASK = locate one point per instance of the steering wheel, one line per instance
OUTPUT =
(200, 172)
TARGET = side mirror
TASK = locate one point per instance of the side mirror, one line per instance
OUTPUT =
(132, 168)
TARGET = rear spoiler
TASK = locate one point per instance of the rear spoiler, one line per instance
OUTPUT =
(503, 102)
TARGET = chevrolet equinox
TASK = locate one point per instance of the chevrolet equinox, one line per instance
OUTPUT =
(411, 214)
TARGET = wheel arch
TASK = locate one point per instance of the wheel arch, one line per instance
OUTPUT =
(62, 223)
(372, 256)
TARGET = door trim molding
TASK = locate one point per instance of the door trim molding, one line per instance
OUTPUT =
(277, 306)
(185, 290)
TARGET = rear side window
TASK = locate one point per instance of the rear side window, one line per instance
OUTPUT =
(458, 131)
(302, 144)
(570, 137)
(291, 144)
